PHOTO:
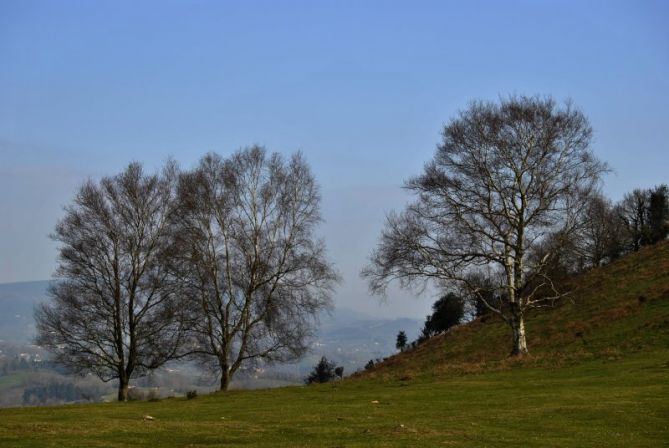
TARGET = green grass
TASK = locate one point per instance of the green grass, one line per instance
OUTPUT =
(598, 403)
(598, 376)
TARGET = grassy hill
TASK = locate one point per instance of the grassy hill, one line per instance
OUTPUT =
(598, 375)
(612, 312)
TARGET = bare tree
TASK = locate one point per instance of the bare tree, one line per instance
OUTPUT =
(255, 274)
(600, 239)
(633, 214)
(643, 216)
(113, 310)
(505, 177)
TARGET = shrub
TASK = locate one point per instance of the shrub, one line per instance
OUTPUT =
(191, 394)
(447, 312)
(322, 373)
(401, 343)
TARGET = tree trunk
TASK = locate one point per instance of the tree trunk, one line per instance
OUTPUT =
(225, 379)
(519, 342)
(122, 390)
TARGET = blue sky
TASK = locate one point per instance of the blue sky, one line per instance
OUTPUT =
(362, 88)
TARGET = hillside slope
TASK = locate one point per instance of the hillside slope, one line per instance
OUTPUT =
(598, 376)
(613, 311)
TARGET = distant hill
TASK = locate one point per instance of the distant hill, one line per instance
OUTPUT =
(344, 333)
(348, 337)
(351, 339)
(17, 301)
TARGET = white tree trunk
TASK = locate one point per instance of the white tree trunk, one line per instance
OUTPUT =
(519, 341)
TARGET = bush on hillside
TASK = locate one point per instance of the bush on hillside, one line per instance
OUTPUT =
(323, 372)
(447, 312)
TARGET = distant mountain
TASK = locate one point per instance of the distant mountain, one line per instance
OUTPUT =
(17, 301)
(348, 331)
(348, 337)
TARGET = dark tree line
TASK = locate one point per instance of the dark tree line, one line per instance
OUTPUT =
(644, 215)
(448, 311)
(54, 392)
(610, 230)
(218, 264)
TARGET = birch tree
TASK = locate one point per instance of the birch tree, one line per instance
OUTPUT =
(113, 309)
(255, 274)
(505, 177)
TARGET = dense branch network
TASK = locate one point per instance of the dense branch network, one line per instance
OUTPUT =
(505, 178)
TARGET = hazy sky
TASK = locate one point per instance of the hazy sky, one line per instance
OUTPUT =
(362, 88)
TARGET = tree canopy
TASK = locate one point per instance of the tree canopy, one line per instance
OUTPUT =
(115, 310)
(254, 276)
(505, 177)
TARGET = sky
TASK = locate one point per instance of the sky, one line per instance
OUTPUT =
(362, 88)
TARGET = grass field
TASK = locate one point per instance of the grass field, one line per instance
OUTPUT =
(598, 376)
(618, 403)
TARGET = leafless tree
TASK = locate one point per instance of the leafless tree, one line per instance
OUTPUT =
(600, 239)
(113, 310)
(255, 274)
(505, 177)
(632, 212)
